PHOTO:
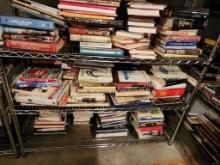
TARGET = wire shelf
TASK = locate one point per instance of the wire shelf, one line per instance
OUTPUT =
(72, 54)
(32, 110)
(82, 137)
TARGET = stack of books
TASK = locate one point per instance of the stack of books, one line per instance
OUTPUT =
(82, 118)
(94, 40)
(148, 124)
(50, 122)
(132, 88)
(141, 27)
(178, 33)
(91, 87)
(41, 86)
(1, 39)
(111, 125)
(168, 82)
(30, 34)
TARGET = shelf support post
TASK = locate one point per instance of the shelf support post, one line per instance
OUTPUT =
(190, 101)
(7, 92)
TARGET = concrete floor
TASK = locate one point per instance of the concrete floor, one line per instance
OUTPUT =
(147, 154)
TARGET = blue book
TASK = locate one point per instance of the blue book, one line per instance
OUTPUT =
(101, 52)
(27, 23)
(180, 44)
(24, 84)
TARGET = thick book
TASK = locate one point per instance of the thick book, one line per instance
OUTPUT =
(35, 46)
(31, 38)
(40, 75)
(98, 75)
(27, 23)
(130, 46)
(173, 55)
(193, 13)
(21, 31)
(179, 51)
(170, 38)
(191, 32)
(84, 15)
(169, 92)
(131, 79)
(141, 22)
(175, 43)
(114, 3)
(147, 5)
(126, 93)
(183, 23)
(143, 12)
(101, 52)
(86, 7)
(168, 72)
(96, 45)
(89, 38)
(28, 84)
(123, 33)
(97, 22)
(177, 47)
(137, 29)
(87, 31)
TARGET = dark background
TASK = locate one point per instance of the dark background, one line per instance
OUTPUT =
(214, 5)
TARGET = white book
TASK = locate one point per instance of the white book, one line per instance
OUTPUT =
(129, 34)
(143, 12)
(96, 75)
(96, 45)
(168, 72)
(136, 29)
(142, 56)
(89, 38)
(113, 134)
(133, 76)
(80, 8)
(142, 24)
(132, 93)
(147, 5)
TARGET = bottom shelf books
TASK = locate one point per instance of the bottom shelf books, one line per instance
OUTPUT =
(111, 124)
(50, 122)
(148, 124)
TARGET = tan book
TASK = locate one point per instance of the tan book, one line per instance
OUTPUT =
(132, 93)
(130, 46)
(143, 56)
(176, 55)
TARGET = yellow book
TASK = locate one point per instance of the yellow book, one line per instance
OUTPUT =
(78, 15)
(209, 42)
(176, 55)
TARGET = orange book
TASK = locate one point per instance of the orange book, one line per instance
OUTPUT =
(90, 13)
(169, 92)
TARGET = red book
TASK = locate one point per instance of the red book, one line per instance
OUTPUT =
(63, 2)
(35, 46)
(158, 128)
(83, 31)
(169, 92)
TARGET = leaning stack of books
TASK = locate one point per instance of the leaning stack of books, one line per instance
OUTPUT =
(41, 86)
(94, 40)
(141, 26)
(1, 39)
(111, 125)
(92, 87)
(50, 122)
(148, 124)
(168, 82)
(30, 34)
(132, 88)
(178, 33)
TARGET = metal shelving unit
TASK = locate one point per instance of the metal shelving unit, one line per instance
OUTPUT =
(26, 145)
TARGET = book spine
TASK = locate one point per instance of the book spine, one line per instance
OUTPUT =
(179, 47)
(30, 38)
(25, 84)
(95, 2)
(181, 23)
(101, 52)
(182, 38)
(152, 128)
(27, 23)
(33, 46)
(169, 92)
(29, 31)
(96, 45)
(128, 86)
(189, 15)
(88, 32)
(108, 23)
(89, 38)
(87, 5)
(180, 44)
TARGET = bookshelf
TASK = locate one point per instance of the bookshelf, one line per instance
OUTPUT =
(81, 137)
